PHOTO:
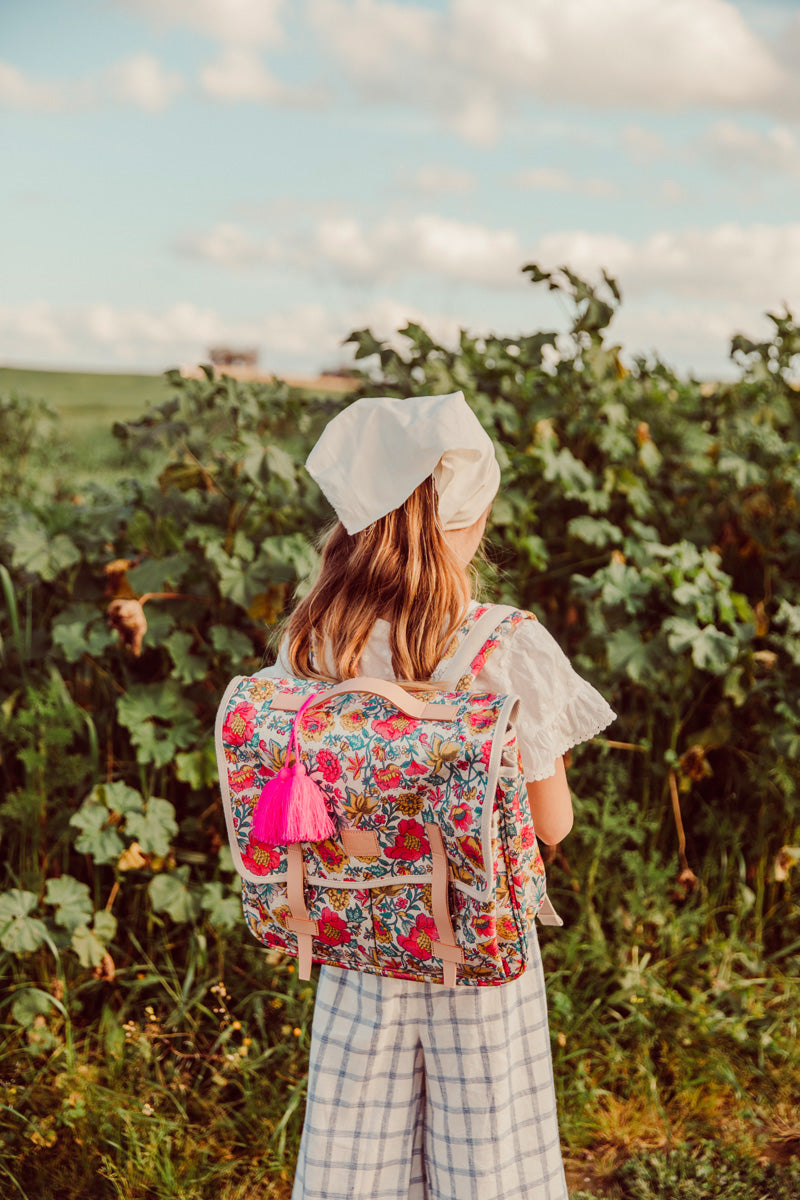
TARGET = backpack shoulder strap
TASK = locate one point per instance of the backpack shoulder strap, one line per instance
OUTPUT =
(481, 639)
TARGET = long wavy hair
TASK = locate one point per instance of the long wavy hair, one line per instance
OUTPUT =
(400, 569)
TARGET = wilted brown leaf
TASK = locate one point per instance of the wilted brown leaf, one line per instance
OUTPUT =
(128, 619)
(132, 859)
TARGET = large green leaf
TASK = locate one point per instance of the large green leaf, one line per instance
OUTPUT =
(224, 910)
(72, 901)
(155, 828)
(160, 719)
(97, 837)
(629, 655)
(19, 931)
(170, 893)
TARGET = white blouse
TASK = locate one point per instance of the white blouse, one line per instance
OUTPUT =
(558, 709)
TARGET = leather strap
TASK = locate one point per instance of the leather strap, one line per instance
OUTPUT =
(480, 633)
(412, 706)
(299, 922)
(445, 948)
(360, 843)
(547, 915)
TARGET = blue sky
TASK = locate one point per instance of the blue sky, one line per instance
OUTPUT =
(178, 173)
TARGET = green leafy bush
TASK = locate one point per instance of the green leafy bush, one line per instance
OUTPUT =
(650, 521)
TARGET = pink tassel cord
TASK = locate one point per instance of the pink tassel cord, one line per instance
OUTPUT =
(291, 807)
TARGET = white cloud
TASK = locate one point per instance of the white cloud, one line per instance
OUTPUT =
(443, 179)
(643, 145)
(552, 179)
(32, 330)
(671, 191)
(380, 42)
(239, 74)
(472, 63)
(738, 148)
(139, 80)
(759, 264)
(18, 90)
(143, 82)
(425, 244)
(228, 246)
(301, 338)
(239, 22)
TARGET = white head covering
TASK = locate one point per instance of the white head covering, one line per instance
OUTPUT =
(376, 452)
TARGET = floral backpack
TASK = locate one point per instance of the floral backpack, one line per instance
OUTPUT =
(432, 870)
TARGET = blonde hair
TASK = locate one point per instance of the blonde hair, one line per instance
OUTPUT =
(400, 568)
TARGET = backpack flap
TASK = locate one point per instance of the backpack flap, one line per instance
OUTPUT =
(385, 775)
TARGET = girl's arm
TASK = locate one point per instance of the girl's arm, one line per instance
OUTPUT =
(551, 806)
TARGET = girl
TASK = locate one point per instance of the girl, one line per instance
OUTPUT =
(418, 1091)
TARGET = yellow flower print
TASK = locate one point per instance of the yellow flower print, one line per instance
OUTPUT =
(361, 804)
(409, 803)
(353, 720)
(441, 752)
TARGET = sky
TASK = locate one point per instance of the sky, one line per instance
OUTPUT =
(176, 174)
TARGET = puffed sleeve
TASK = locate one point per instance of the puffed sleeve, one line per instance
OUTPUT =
(558, 708)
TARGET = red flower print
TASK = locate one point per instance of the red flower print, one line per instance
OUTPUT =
(260, 858)
(486, 754)
(329, 765)
(471, 848)
(331, 854)
(419, 941)
(395, 726)
(478, 663)
(461, 816)
(484, 926)
(416, 768)
(239, 724)
(410, 843)
(527, 836)
(388, 777)
(242, 779)
(272, 939)
(315, 722)
(355, 764)
(332, 929)
(480, 720)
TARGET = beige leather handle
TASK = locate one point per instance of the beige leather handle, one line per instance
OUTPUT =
(412, 706)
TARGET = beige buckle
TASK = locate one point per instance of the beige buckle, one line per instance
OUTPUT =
(299, 922)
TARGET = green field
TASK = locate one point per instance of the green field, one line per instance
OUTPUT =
(86, 406)
(87, 402)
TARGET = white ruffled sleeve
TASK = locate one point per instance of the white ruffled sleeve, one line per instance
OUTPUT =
(558, 709)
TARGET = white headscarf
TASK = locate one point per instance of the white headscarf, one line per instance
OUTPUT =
(376, 452)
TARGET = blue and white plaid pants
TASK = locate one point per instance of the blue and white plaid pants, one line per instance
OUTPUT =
(422, 1092)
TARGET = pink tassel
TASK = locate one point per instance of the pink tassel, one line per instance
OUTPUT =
(308, 819)
(269, 814)
(291, 807)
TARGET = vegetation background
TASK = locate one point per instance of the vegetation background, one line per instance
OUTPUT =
(147, 1047)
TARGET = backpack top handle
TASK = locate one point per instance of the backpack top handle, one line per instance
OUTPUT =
(412, 706)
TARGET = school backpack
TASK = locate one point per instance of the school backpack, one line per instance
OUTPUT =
(434, 873)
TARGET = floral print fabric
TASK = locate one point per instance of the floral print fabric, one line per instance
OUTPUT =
(389, 773)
